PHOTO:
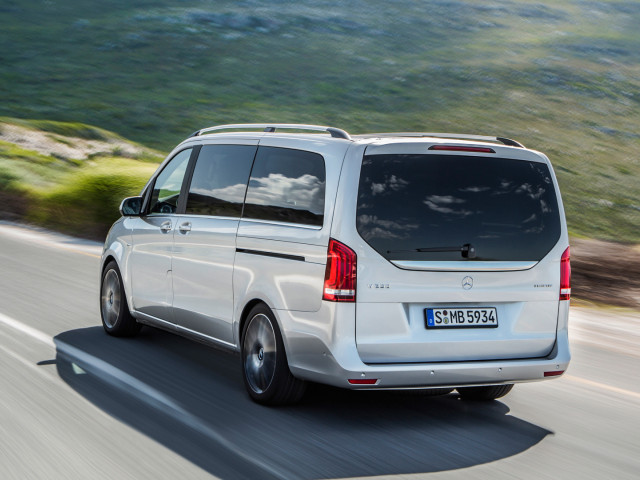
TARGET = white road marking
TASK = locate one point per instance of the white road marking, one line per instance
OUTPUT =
(32, 332)
(140, 390)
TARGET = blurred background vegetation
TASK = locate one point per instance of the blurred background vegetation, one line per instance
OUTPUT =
(562, 77)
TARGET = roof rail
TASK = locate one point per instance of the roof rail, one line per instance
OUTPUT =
(503, 140)
(271, 127)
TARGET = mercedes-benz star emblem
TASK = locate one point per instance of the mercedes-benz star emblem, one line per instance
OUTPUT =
(467, 283)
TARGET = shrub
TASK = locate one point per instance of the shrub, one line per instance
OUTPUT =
(7, 178)
(87, 200)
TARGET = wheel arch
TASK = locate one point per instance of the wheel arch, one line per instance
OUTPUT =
(244, 317)
(111, 257)
(105, 261)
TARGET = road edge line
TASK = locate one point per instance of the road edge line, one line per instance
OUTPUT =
(26, 329)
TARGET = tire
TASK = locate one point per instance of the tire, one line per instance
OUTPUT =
(265, 369)
(116, 318)
(490, 392)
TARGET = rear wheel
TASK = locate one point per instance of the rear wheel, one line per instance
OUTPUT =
(490, 392)
(116, 318)
(264, 362)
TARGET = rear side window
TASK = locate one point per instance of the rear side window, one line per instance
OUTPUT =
(286, 186)
(428, 207)
(219, 180)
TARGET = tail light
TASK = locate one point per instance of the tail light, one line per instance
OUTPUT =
(565, 275)
(340, 275)
(462, 148)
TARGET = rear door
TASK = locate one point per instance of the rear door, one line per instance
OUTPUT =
(459, 258)
(205, 239)
(283, 232)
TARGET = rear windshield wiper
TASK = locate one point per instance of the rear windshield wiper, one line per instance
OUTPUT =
(467, 250)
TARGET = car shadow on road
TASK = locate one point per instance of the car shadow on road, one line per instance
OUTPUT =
(191, 399)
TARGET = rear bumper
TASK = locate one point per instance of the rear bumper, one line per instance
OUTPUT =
(334, 362)
(331, 371)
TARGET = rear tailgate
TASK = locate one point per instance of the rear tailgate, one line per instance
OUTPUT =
(450, 235)
(392, 318)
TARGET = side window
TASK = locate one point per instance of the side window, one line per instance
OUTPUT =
(219, 180)
(166, 190)
(286, 186)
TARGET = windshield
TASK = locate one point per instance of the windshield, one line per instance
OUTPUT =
(438, 207)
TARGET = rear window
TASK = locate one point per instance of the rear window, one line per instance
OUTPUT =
(286, 186)
(433, 207)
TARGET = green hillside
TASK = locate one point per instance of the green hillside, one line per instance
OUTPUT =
(562, 77)
(68, 176)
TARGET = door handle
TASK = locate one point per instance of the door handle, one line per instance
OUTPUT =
(185, 228)
(165, 227)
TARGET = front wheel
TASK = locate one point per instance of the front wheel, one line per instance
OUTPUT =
(490, 392)
(264, 362)
(116, 318)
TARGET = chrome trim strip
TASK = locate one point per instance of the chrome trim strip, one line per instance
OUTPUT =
(216, 217)
(207, 338)
(465, 266)
(147, 319)
(283, 224)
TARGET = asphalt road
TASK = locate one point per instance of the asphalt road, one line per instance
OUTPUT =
(77, 404)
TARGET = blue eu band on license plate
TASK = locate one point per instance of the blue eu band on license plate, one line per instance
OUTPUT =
(461, 317)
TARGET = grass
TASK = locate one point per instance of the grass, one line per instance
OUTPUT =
(86, 200)
(561, 77)
(79, 196)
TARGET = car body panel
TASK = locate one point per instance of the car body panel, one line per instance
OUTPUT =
(150, 265)
(202, 272)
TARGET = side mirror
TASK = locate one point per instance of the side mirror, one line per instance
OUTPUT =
(130, 207)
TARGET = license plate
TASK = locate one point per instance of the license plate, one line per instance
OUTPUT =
(461, 317)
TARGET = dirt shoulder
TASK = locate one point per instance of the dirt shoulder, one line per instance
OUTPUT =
(605, 272)
(60, 146)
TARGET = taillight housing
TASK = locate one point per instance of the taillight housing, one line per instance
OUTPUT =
(340, 274)
(462, 148)
(565, 275)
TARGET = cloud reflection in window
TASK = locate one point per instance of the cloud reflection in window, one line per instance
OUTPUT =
(303, 193)
(370, 227)
(445, 204)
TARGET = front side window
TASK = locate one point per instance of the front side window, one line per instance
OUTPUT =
(166, 189)
(429, 207)
(286, 186)
(219, 180)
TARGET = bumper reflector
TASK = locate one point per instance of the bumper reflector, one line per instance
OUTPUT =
(553, 374)
(363, 381)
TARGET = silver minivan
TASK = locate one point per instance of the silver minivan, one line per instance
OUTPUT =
(381, 261)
